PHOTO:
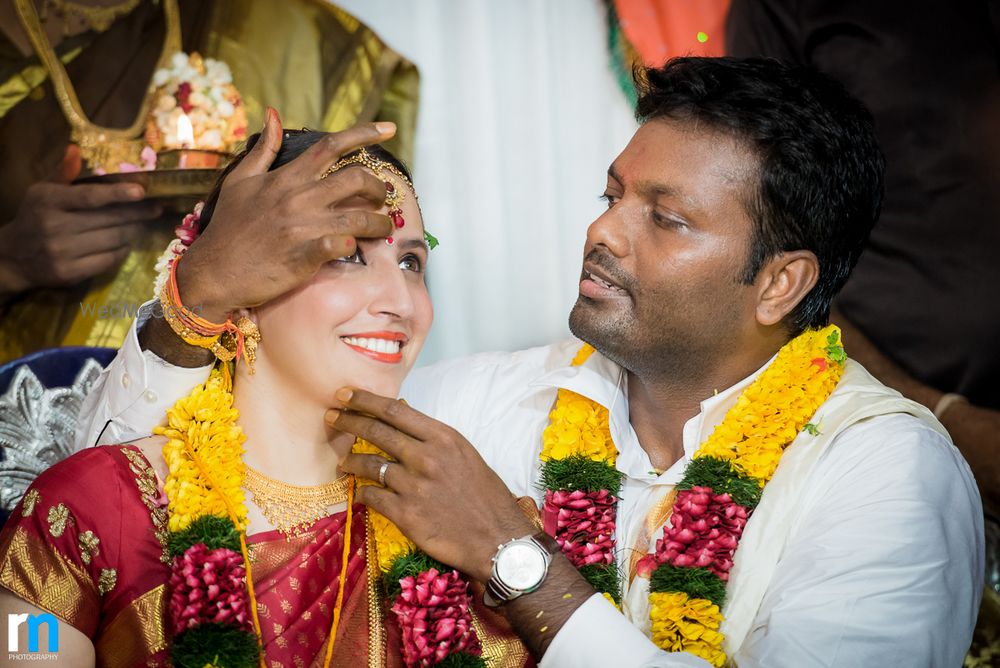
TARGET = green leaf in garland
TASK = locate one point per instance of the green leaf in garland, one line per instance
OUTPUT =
(811, 429)
(462, 660)
(432, 241)
(579, 472)
(605, 579)
(723, 479)
(411, 564)
(834, 350)
(695, 582)
(215, 644)
(214, 532)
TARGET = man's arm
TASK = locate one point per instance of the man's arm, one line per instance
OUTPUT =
(444, 497)
(975, 430)
(135, 390)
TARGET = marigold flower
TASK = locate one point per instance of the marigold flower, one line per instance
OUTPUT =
(204, 440)
(771, 412)
(578, 426)
(684, 624)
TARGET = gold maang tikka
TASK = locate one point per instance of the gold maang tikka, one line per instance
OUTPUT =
(393, 196)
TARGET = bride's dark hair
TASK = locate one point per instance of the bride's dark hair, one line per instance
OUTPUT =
(293, 144)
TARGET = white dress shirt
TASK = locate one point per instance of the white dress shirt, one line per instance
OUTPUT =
(885, 570)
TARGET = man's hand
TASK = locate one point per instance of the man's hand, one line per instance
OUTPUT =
(444, 497)
(272, 230)
(63, 234)
(439, 491)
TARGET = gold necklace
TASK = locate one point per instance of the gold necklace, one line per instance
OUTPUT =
(292, 509)
(99, 146)
(95, 18)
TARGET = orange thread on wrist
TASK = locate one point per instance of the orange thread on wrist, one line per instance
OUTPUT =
(196, 330)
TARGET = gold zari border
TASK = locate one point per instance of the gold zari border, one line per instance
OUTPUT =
(34, 571)
(136, 633)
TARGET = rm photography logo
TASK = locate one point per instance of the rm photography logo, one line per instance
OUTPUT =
(34, 624)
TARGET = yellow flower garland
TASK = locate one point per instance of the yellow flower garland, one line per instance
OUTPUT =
(684, 624)
(771, 412)
(201, 430)
(204, 457)
(768, 415)
(578, 426)
(752, 437)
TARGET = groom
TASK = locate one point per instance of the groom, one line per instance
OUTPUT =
(734, 216)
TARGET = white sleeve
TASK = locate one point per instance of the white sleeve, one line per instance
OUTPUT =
(885, 565)
(133, 393)
(597, 636)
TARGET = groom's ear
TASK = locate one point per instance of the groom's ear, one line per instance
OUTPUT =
(783, 283)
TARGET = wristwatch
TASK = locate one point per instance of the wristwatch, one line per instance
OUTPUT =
(519, 567)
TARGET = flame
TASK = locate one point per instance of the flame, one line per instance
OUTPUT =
(185, 133)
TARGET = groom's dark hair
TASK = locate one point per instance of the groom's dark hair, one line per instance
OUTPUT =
(820, 170)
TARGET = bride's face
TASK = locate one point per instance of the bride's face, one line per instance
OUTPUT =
(360, 322)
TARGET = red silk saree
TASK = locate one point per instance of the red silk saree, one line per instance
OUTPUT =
(86, 543)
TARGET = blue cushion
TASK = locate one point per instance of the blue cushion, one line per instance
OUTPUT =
(56, 367)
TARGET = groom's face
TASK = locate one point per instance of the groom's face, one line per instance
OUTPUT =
(660, 284)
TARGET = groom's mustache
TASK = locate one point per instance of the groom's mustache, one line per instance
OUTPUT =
(604, 261)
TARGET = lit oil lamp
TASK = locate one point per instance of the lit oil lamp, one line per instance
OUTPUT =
(187, 157)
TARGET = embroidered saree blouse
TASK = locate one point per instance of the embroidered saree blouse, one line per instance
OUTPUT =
(87, 543)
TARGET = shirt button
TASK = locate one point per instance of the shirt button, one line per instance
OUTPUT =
(125, 380)
(150, 396)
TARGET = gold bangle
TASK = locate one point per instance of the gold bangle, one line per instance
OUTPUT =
(224, 345)
(180, 329)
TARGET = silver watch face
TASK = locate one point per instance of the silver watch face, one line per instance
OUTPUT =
(521, 566)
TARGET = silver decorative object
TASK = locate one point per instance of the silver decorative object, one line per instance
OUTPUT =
(37, 427)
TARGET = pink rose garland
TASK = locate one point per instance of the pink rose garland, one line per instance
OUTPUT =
(583, 523)
(433, 610)
(208, 586)
(704, 531)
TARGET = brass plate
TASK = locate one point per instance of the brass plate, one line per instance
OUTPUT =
(178, 190)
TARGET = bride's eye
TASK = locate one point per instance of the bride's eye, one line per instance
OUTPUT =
(357, 258)
(411, 263)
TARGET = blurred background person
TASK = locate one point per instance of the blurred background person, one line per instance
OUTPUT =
(920, 310)
(64, 247)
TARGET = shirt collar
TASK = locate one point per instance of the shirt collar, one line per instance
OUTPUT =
(601, 380)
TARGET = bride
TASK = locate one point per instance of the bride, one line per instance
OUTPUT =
(197, 547)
